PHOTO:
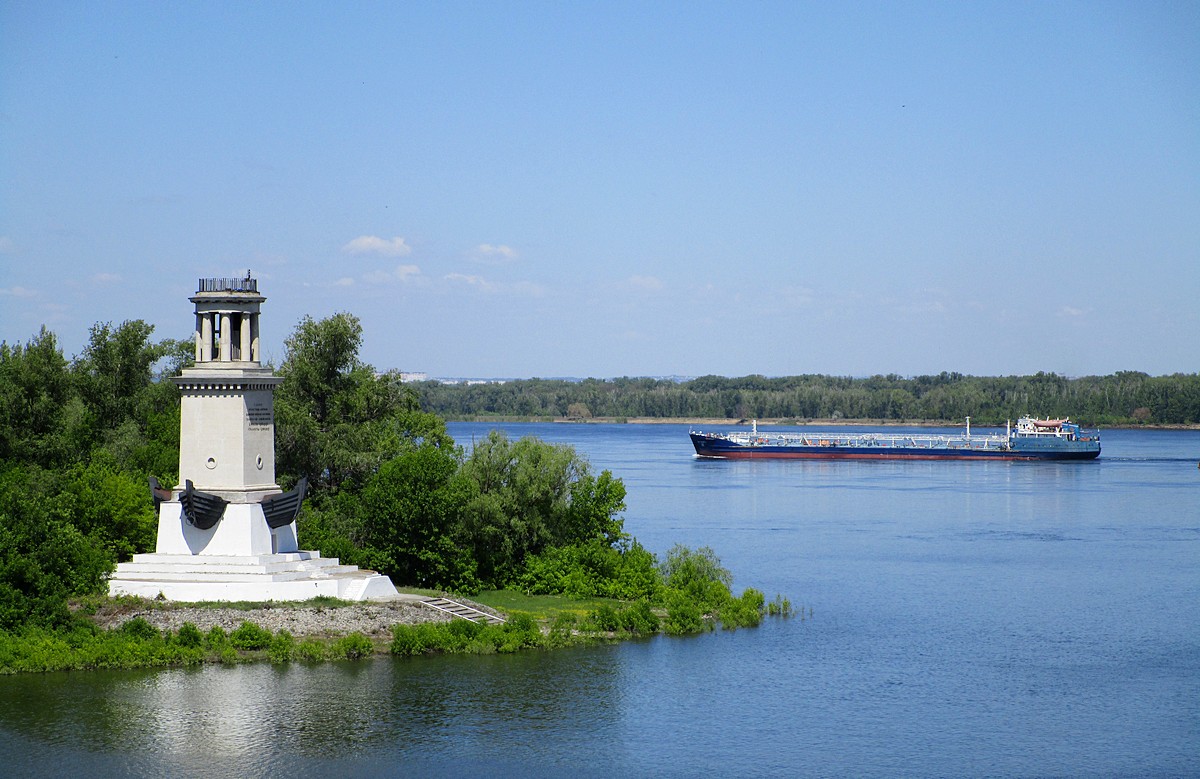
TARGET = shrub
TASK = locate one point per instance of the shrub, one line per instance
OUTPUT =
(464, 628)
(139, 628)
(249, 636)
(639, 619)
(408, 640)
(189, 636)
(606, 618)
(743, 612)
(523, 629)
(310, 650)
(683, 615)
(562, 629)
(282, 647)
(216, 638)
(352, 647)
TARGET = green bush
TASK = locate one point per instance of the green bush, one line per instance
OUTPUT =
(189, 636)
(562, 630)
(606, 619)
(408, 640)
(282, 647)
(216, 638)
(744, 612)
(249, 636)
(683, 615)
(638, 619)
(352, 647)
(139, 628)
(310, 650)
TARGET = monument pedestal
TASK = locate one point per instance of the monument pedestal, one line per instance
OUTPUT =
(241, 558)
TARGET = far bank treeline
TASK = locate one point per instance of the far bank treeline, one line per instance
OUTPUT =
(389, 489)
(1125, 398)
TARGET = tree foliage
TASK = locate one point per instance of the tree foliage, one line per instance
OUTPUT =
(336, 420)
(1127, 397)
(78, 440)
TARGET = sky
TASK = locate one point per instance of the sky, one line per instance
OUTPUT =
(545, 189)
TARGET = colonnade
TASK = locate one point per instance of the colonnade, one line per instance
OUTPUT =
(216, 332)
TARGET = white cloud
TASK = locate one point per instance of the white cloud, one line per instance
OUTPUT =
(6, 245)
(1071, 311)
(518, 289)
(106, 278)
(345, 281)
(401, 273)
(373, 244)
(486, 252)
(645, 283)
(18, 292)
(474, 281)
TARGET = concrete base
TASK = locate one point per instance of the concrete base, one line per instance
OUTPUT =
(239, 559)
(285, 577)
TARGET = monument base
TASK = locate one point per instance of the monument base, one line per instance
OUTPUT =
(284, 577)
(240, 558)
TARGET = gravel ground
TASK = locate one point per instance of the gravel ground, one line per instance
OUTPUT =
(372, 619)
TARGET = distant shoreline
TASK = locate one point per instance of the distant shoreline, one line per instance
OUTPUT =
(781, 422)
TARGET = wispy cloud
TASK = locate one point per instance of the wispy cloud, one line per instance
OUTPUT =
(18, 292)
(520, 288)
(473, 281)
(645, 283)
(373, 244)
(402, 273)
(105, 278)
(6, 245)
(495, 254)
(1071, 311)
(345, 281)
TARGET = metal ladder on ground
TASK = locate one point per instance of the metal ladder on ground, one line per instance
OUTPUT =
(462, 611)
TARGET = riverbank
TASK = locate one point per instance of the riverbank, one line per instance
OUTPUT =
(309, 619)
(714, 422)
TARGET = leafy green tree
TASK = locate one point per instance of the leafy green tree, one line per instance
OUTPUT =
(35, 389)
(699, 575)
(408, 519)
(336, 421)
(529, 496)
(44, 556)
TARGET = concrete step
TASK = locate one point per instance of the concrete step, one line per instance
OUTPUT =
(462, 611)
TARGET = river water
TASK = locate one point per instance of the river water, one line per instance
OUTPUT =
(960, 619)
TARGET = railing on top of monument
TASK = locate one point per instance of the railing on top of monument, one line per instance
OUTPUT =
(246, 284)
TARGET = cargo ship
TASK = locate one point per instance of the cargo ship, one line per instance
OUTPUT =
(1031, 439)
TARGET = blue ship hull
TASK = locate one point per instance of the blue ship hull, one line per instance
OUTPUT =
(1027, 444)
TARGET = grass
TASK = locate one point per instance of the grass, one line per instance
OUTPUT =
(544, 608)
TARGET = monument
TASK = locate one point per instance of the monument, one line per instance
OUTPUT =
(227, 532)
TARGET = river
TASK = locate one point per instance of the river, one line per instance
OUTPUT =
(960, 619)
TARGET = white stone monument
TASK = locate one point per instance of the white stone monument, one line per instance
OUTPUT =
(227, 532)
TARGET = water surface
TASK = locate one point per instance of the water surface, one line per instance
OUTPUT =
(967, 618)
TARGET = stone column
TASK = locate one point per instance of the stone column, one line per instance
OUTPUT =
(198, 339)
(244, 331)
(226, 338)
(206, 338)
(254, 338)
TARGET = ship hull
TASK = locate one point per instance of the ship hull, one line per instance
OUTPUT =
(715, 447)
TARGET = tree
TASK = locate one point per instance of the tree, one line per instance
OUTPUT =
(35, 389)
(336, 421)
(530, 496)
(408, 517)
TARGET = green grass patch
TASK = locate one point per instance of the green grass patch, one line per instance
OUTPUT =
(544, 608)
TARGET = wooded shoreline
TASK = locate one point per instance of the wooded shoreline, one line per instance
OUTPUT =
(715, 422)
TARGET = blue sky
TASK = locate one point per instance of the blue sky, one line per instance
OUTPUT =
(606, 189)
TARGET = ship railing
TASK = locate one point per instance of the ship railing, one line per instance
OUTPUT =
(871, 440)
